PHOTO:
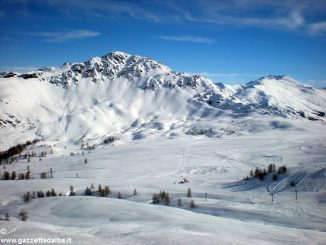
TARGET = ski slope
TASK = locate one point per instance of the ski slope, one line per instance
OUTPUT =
(235, 211)
(172, 131)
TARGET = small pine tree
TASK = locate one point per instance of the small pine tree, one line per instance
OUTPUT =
(71, 189)
(264, 172)
(135, 193)
(189, 192)
(21, 176)
(119, 195)
(7, 217)
(257, 172)
(88, 191)
(192, 204)
(28, 175)
(53, 193)
(40, 194)
(155, 199)
(179, 202)
(48, 193)
(167, 199)
(23, 215)
(106, 191)
(13, 175)
(51, 173)
(251, 173)
(271, 168)
(282, 170)
(162, 195)
(6, 175)
(100, 190)
(274, 177)
(27, 196)
(85, 160)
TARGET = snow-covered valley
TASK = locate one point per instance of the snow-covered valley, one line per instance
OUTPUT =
(172, 132)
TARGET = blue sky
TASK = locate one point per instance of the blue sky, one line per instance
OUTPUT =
(228, 41)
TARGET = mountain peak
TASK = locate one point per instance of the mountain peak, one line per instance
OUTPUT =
(116, 55)
(107, 67)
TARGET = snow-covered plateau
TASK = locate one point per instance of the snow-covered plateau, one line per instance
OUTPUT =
(139, 128)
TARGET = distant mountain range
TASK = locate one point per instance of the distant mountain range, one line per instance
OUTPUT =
(123, 94)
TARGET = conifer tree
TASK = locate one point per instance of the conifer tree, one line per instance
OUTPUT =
(282, 170)
(28, 175)
(274, 177)
(179, 202)
(167, 199)
(162, 195)
(106, 191)
(23, 215)
(53, 193)
(251, 173)
(20, 176)
(6, 175)
(13, 175)
(48, 193)
(189, 192)
(27, 196)
(192, 204)
(100, 190)
(40, 194)
(72, 193)
(7, 217)
(88, 191)
(155, 199)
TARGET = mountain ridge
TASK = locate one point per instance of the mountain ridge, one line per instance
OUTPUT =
(119, 93)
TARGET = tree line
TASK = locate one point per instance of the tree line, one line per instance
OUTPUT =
(262, 173)
(15, 150)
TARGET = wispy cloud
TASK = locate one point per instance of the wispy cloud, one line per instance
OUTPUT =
(193, 39)
(106, 8)
(285, 15)
(64, 36)
(317, 28)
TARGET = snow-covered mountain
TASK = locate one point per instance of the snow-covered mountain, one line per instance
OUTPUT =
(202, 142)
(123, 94)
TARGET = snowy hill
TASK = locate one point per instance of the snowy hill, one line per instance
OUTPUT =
(284, 95)
(198, 137)
(133, 96)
